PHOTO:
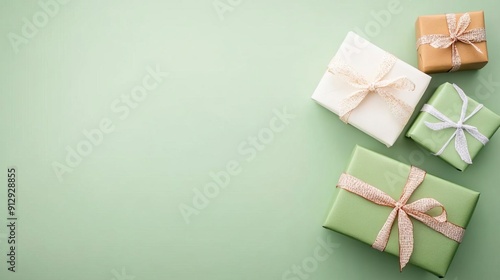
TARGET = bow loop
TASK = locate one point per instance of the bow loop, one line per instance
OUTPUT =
(402, 212)
(399, 83)
(415, 178)
(463, 23)
(442, 42)
(424, 205)
(439, 125)
(379, 85)
(349, 75)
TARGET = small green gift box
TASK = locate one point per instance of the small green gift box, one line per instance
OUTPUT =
(401, 210)
(454, 126)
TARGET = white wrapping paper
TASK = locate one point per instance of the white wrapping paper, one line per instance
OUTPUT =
(372, 116)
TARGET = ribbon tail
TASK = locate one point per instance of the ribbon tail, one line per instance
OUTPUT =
(405, 227)
(402, 111)
(384, 233)
(475, 35)
(476, 134)
(350, 103)
(472, 44)
(461, 146)
(399, 109)
(446, 228)
(463, 23)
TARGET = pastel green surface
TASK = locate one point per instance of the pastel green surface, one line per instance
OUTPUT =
(118, 210)
(446, 100)
(359, 218)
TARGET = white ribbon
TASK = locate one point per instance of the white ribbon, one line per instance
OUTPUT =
(459, 126)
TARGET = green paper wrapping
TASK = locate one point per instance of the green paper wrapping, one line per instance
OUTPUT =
(361, 219)
(446, 100)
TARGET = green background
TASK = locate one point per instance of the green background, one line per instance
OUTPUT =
(117, 213)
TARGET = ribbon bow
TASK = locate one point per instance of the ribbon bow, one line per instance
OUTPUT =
(401, 110)
(459, 126)
(403, 210)
(457, 34)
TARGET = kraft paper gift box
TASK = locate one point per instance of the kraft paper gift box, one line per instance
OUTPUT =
(444, 140)
(362, 219)
(451, 42)
(371, 89)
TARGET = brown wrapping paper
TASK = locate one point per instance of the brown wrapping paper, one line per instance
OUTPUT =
(433, 60)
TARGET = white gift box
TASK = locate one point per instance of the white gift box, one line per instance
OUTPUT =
(373, 115)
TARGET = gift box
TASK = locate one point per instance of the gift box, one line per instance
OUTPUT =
(387, 204)
(451, 42)
(454, 126)
(371, 89)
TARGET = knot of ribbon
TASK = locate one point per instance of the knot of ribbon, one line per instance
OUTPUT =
(383, 88)
(402, 210)
(460, 127)
(457, 34)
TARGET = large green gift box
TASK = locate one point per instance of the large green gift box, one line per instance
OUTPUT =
(362, 219)
(447, 100)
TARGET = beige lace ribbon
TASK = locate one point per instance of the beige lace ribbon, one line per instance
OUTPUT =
(457, 34)
(403, 210)
(383, 88)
